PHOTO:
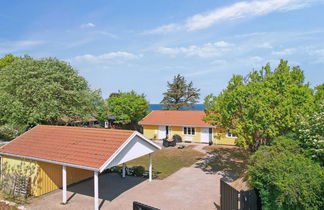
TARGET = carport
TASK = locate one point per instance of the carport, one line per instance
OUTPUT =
(87, 149)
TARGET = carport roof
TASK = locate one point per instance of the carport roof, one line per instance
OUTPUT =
(88, 148)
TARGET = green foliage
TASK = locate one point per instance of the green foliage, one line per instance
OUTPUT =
(8, 132)
(47, 90)
(311, 134)
(180, 94)
(264, 104)
(285, 178)
(139, 171)
(319, 95)
(7, 59)
(126, 107)
(17, 179)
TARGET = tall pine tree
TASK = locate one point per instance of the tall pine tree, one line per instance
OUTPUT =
(180, 94)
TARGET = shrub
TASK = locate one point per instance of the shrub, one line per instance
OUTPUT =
(285, 178)
(139, 170)
(311, 134)
(8, 132)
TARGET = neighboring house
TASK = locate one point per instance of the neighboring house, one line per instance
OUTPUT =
(48, 153)
(90, 122)
(189, 125)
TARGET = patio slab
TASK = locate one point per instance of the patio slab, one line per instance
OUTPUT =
(188, 188)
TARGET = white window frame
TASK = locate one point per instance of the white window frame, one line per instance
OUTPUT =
(230, 135)
(189, 128)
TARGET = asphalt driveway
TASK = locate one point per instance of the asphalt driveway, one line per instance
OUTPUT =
(188, 188)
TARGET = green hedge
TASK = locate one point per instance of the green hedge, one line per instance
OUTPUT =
(8, 132)
(285, 178)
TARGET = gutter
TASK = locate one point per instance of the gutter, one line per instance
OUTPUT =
(51, 161)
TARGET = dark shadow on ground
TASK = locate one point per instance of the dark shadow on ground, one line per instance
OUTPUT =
(230, 162)
(71, 197)
(111, 185)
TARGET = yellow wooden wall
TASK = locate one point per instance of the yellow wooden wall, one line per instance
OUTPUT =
(219, 134)
(179, 131)
(150, 131)
(45, 177)
(220, 137)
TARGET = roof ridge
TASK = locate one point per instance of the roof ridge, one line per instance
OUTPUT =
(76, 127)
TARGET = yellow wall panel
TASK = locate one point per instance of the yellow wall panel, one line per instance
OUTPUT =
(220, 137)
(150, 131)
(179, 131)
(219, 134)
(45, 177)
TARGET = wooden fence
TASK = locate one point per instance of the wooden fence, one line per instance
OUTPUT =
(232, 199)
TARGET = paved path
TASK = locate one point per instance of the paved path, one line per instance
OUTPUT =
(188, 188)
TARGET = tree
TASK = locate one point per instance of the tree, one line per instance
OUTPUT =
(319, 96)
(310, 133)
(285, 178)
(127, 107)
(7, 59)
(262, 105)
(44, 91)
(180, 94)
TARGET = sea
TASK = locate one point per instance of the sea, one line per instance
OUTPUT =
(196, 107)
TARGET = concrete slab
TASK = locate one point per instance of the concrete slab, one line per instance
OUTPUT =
(188, 188)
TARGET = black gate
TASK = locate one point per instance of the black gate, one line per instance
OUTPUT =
(232, 199)
(141, 206)
(249, 200)
(229, 196)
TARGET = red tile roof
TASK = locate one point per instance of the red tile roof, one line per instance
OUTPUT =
(86, 147)
(166, 117)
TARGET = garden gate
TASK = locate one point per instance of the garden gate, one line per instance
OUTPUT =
(232, 199)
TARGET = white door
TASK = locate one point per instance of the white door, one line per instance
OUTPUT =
(162, 132)
(204, 135)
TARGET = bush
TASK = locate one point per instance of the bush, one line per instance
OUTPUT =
(285, 178)
(8, 132)
(311, 134)
(139, 170)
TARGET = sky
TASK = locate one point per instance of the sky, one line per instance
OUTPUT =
(140, 45)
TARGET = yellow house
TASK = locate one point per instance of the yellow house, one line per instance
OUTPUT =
(189, 125)
(52, 157)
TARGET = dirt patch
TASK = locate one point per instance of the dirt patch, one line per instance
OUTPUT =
(6, 206)
(231, 161)
(240, 184)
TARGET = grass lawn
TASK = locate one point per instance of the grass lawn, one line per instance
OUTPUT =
(168, 160)
(231, 160)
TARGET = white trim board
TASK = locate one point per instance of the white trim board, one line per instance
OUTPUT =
(135, 142)
(50, 161)
(197, 126)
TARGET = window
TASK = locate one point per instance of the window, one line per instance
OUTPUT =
(189, 131)
(230, 135)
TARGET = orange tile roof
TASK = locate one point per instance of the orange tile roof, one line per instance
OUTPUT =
(86, 147)
(167, 117)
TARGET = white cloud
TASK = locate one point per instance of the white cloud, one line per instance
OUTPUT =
(205, 51)
(164, 29)
(265, 45)
(318, 55)
(239, 10)
(288, 51)
(19, 46)
(256, 59)
(88, 25)
(107, 57)
(105, 33)
(27, 43)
